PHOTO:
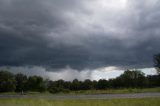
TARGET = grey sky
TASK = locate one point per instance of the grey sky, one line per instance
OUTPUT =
(79, 33)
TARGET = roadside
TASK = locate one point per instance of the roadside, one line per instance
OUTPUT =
(80, 96)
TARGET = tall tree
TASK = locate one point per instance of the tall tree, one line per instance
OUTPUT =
(157, 62)
(102, 84)
(7, 82)
(87, 84)
(132, 79)
(36, 83)
(75, 85)
(21, 82)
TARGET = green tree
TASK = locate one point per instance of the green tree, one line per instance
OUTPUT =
(157, 62)
(7, 82)
(75, 84)
(58, 86)
(36, 83)
(21, 82)
(102, 84)
(132, 79)
(87, 84)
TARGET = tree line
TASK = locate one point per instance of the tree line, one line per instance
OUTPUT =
(10, 82)
(20, 82)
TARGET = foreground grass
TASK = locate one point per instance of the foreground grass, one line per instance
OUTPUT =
(109, 102)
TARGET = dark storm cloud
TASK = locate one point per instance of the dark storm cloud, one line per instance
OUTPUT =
(80, 34)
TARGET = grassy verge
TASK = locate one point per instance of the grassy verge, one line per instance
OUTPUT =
(107, 91)
(117, 91)
(110, 102)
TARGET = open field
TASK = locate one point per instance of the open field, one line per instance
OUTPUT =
(119, 97)
(88, 92)
(117, 91)
(81, 102)
(107, 91)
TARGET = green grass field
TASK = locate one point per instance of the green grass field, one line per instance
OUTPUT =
(107, 91)
(117, 91)
(108, 102)
(94, 102)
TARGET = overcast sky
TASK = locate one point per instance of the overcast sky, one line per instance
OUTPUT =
(79, 34)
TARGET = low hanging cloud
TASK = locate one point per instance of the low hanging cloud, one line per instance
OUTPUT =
(81, 34)
(69, 74)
